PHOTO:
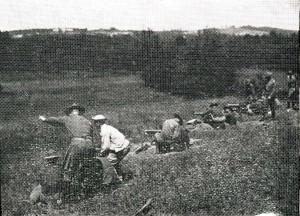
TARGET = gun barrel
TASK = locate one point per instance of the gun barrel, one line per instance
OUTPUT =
(152, 131)
(233, 105)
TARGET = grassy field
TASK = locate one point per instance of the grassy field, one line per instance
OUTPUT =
(245, 170)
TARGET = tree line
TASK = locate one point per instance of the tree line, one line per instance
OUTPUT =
(205, 63)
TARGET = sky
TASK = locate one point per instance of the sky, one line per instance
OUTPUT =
(148, 14)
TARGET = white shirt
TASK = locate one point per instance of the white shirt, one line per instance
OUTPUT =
(112, 139)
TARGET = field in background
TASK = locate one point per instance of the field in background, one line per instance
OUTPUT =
(238, 171)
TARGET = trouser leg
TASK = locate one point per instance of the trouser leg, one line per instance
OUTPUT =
(160, 147)
(115, 159)
(271, 102)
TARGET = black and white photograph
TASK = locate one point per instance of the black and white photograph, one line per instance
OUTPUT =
(149, 108)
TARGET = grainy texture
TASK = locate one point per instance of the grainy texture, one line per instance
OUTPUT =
(138, 79)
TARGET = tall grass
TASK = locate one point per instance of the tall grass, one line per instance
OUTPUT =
(234, 175)
(287, 161)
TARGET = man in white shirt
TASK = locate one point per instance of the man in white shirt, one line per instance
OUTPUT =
(113, 142)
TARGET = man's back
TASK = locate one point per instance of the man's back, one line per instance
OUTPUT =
(113, 138)
(170, 128)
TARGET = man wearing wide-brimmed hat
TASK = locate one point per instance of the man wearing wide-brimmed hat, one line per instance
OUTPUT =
(81, 146)
(114, 145)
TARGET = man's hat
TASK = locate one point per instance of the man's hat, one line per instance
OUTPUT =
(74, 106)
(269, 73)
(289, 72)
(99, 117)
(213, 104)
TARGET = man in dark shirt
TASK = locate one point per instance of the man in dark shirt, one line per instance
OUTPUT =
(214, 116)
(269, 95)
(231, 115)
(291, 78)
(81, 146)
(250, 90)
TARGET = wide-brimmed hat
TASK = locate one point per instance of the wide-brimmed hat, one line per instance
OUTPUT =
(74, 106)
(99, 118)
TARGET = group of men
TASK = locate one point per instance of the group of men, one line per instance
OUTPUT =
(84, 145)
(268, 93)
(219, 117)
(113, 145)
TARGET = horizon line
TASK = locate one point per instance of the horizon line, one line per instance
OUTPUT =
(148, 28)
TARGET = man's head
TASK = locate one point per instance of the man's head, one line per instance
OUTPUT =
(228, 110)
(177, 116)
(75, 109)
(213, 105)
(247, 81)
(269, 75)
(75, 112)
(99, 120)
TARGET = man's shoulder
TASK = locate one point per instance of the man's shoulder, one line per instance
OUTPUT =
(84, 119)
(171, 121)
(106, 128)
(218, 112)
(272, 81)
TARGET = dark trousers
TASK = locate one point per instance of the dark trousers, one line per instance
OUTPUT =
(292, 99)
(271, 104)
(115, 159)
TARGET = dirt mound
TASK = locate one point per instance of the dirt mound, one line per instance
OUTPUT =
(197, 131)
(251, 124)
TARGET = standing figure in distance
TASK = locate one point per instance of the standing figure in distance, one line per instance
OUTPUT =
(250, 90)
(291, 78)
(269, 95)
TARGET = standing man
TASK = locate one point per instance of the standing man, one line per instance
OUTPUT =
(113, 143)
(81, 146)
(250, 90)
(269, 95)
(291, 78)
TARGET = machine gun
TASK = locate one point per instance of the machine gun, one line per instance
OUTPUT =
(147, 145)
(206, 116)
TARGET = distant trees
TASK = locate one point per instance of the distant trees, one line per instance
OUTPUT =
(169, 61)
(207, 63)
(5, 44)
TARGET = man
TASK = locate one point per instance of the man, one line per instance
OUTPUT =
(113, 143)
(231, 115)
(214, 116)
(172, 132)
(269, 95)
(81, 146)
(250, 90)
(291, 78)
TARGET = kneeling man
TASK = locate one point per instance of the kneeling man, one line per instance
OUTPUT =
(113, 143)
(172, 133)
